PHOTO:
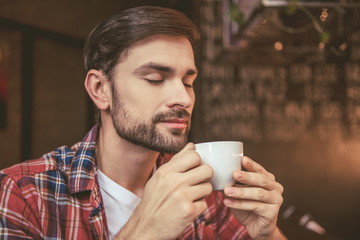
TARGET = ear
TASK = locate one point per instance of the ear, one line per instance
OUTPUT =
(98, 88)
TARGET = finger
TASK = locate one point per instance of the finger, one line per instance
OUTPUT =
(253, 166)
(186, 159)
(200, 191)
(188, 146)
(256, 179)
(199, 174)
(255, 194)
(259, 208)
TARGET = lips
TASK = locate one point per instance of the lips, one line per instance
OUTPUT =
(176, 122)
(179, 119)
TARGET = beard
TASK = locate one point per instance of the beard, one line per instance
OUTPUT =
(146, 134)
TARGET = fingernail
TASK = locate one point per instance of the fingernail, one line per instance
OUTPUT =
(239, 175)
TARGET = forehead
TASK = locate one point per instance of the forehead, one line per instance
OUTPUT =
(172, 50)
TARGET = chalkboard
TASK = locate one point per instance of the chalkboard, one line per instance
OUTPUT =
(296, 108)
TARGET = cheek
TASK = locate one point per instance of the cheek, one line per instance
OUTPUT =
(142, 105)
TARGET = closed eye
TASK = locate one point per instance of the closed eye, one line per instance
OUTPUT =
(188, 85)
(188, 81)
(154, 82)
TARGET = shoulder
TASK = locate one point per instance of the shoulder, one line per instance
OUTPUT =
(27, 168)
(39, 180)
(58, 160)
(27, 190)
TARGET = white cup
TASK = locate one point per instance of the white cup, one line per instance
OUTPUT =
(224, 157)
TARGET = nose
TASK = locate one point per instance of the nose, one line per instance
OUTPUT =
(180, 96)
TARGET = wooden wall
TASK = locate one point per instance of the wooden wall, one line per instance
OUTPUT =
(296, 108)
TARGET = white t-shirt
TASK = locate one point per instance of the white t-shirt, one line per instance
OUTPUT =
(119, 203)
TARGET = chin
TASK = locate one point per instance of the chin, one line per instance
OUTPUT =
(174, 146)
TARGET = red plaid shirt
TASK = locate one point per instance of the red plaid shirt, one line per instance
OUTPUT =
(58, 197)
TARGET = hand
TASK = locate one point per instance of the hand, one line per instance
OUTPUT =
(256, 203)
(173, 198)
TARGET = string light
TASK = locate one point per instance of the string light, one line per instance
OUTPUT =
(278, 46)
(321, 45)
(343, 46)
(324, 15)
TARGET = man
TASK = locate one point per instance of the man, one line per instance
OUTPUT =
(121, 180)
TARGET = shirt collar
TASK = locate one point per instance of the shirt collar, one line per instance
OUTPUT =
(83, 169)
(83, 166)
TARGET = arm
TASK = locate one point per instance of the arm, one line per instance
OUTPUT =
(256, 203)
(173, 198)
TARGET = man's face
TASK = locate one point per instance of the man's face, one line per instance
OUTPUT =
(153, 95)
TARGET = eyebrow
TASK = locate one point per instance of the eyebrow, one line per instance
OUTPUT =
(162, 68)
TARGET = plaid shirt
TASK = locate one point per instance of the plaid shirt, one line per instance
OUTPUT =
(58, 197)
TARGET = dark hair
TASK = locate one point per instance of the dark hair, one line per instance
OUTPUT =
(107, 44)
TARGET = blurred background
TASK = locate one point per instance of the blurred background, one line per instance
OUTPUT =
(281, 76)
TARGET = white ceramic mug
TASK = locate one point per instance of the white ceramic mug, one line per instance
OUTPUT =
(224, 157)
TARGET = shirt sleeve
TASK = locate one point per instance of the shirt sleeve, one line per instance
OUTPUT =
(17, 219)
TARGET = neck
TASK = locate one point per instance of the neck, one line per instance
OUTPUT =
(127, 164)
